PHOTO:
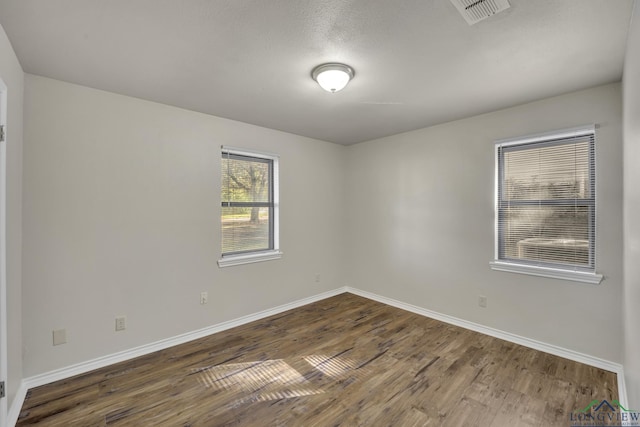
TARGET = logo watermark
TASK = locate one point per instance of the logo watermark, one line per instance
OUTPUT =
(604, 413)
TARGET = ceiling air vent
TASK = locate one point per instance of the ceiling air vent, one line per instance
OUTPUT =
(476, 10)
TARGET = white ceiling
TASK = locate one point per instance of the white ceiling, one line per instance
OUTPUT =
(417, 62)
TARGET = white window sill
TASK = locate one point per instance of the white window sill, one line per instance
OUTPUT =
(232, 260)
(554, 273)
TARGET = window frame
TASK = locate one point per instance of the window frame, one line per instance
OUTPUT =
(273, 252)
(540, 268)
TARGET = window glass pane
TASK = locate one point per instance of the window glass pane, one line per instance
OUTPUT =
(245, 229)
(557, 234)
(548, 172)
(245, 179)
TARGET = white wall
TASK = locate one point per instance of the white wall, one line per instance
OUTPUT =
(631, 97)
(13, 77)
(422, 224)
(121, 217)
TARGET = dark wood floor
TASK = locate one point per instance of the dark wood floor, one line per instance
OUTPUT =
(343, 361)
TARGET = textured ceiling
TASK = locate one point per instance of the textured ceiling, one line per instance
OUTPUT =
(417, 63)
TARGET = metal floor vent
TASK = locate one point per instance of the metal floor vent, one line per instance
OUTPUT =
(474, 11)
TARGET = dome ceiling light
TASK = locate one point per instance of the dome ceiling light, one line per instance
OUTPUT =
(332, 77)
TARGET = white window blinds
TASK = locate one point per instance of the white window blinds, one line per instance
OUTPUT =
(546, 200)
(249, 202)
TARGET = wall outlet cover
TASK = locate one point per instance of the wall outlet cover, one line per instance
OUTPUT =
(121, 323)
(59, 336)
(482, 301)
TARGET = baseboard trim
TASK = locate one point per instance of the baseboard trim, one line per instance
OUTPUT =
(507, 336)
(16, 405)
(100, 362)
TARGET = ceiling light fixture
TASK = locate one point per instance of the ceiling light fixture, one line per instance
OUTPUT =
(332, 77)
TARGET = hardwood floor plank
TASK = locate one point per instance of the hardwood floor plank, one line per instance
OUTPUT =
(343, 361)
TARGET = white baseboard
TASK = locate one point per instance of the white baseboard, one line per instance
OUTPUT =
(121, 356)
(16, 405)
(507, 336)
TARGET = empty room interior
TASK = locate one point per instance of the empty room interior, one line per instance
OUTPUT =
(319, 213)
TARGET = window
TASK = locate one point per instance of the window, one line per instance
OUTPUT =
(546, 205)
(249, 216)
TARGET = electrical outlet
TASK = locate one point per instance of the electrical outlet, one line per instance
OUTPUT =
(317, 277)
(204, 297)
(482, 301)
(59, 336)
(121, 323)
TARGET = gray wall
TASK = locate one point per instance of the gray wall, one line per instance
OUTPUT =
(631, 96)
(122, 217)
(13, 77)
(421, 224)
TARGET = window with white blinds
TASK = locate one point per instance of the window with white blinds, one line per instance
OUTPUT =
(546, 201)
(249, 216)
